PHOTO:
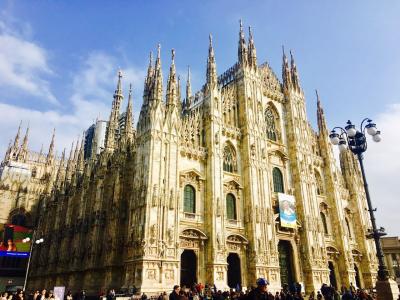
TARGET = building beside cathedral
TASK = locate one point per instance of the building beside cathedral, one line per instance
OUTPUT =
(227, 185)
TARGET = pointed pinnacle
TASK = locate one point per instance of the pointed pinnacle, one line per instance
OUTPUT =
(159, 51)
(188, 74)
(250, 34)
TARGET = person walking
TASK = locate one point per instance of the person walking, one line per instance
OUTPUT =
(261, 292)
(175, 293)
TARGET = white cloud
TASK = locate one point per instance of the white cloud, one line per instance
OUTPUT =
(92, 91)
(23, 65)
(382, 163)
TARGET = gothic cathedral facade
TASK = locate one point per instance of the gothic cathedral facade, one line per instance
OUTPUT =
(192, 193)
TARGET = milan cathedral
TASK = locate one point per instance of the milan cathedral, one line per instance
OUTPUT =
(220, 186)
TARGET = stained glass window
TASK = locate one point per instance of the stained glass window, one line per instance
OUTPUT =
(230, 207)
(229, 164)
(278, 180)
(189, 204)
(271, 126)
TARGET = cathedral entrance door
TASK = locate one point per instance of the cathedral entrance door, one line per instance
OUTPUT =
(286, 263)
(332, 275)
(234, 271)
(188, 268)
(358, 281)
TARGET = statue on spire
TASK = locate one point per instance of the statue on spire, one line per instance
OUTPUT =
(286, 75)
(50, 154)
(113, 124)
(252, 58)
(188, 101)
(322, 126)
(23, 152)
(172, 83)
(157, 90)
(294, 74)
(148, 82)
(211, 66)
(16, 140)
(129, 118)
(242, 48)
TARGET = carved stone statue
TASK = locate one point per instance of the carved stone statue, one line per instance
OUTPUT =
(155, 194)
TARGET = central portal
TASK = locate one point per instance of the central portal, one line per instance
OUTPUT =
(286, 263)
(332, 275)
(188, 268)
(234, 271)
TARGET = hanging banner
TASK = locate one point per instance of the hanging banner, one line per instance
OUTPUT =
(59, 292)
(287, 210)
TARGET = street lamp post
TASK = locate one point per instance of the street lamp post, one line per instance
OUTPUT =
(37, 242)
(356, 141)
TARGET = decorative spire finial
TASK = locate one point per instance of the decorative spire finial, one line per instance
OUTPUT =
(16, 140)
(211, 66)
(50, 154)
(242, 48)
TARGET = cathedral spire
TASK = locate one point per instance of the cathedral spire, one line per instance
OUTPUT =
(293, 71)
(118, 91)
(68, 170)
(252, 50)
(50, 154)
(80, 162)
(22, 155)
(211, 66)
(114, 115)
(16, 140)
(286, 76)
(172, 84)
(179, 90)
(75, 158)
(188, 89)
(59, 179)
(129, 117)
(242, 49)
(322, 126)
(148, 80)
(158, 79)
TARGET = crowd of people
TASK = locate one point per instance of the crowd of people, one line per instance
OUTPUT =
(261, 292)
(41, 295)
(206, 292)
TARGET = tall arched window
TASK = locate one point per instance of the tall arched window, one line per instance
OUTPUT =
(323, 219)
(278, 180)
(189, 199)
(348, 227)
(320, 184)
(270, 121)
(230, 162)
(231, 207)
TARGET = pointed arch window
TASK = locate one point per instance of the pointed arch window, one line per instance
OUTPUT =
(230, 162)
(278, 180)
(271, 120)
(324, 223)
(231, 207)
(189, 199)
(320, 184)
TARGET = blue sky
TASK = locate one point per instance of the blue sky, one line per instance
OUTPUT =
(59, 59)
